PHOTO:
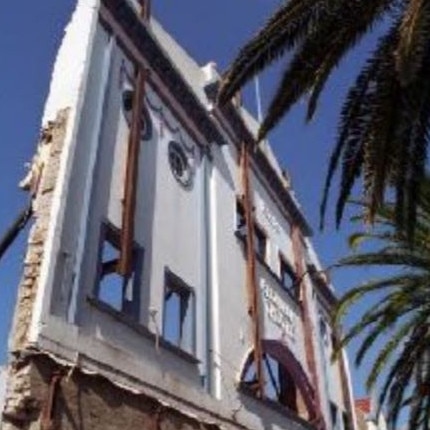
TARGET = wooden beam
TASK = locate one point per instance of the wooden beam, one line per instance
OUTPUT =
(345, 386)
(125, 264)
(251, 281)
(299, 257)
(135, 55)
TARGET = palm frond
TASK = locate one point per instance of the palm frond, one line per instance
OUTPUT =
(357, 293)
(320, 52)
(284, 30)
(412, 45)
(397, 324)
(351, 131)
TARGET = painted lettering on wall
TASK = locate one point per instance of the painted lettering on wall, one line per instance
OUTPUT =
(278, 310)
(271, 219)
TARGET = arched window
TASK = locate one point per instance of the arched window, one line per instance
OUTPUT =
(278, 383)
(285, 381)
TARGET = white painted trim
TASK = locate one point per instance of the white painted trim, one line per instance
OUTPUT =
(94, 146)
(65, 83)
(202, 297)
(79, 34)
(350, 388)
(215, 297)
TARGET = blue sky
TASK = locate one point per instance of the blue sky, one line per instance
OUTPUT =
(210, 31)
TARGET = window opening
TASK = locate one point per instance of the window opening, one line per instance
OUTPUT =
(279, 385)
(333, 414)
(179, 313)
(286, 274)
(324, 332)
(240, 219)
(117, 291)
(346, 422)
(260, 238)
(260, 242)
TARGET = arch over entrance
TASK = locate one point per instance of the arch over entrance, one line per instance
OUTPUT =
(286, 379)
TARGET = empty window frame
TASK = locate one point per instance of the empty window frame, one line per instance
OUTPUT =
(240, 219)
(324, 331)
(179, 313)
(333, 415)
(119, 292)
(346, 421)
(260, 242)
(286, 274)
(260, 238)
(279, 385)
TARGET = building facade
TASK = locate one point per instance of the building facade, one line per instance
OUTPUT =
(170, 280)
(367, 416)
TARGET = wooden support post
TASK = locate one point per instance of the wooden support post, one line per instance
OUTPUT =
(345, 389)
(251, 281)
(125, 264)
(298, 251)
(48, 412)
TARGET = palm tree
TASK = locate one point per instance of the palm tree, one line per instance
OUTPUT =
(396, 326)
(384, 123)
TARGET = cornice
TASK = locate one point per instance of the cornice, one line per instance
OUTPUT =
(236, 122)
(145, 43)
(320, 282)
(143, 40)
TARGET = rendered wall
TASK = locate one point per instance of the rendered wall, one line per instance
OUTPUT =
(102, 354)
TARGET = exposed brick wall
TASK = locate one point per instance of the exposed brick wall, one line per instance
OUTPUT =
(78, 400)
(41, 181)
(85, 402)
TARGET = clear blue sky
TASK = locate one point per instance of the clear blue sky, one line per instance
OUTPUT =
(210, 31)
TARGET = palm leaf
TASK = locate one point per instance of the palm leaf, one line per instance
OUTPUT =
(397, 324)
(283, 31)
(414, 35)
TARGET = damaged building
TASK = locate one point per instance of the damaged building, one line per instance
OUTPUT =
(169, 279)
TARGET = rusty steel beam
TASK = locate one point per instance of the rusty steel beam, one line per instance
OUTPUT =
(251, 281)
(125, 263)
(48, 417)
(345, 387)
(299, 257)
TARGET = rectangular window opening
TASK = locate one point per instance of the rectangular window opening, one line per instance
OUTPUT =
(288, 392)
(179, 313)
(240, 219)
(119, 292)
(260, 242)
(333, 415)
(279, 385)
(260, 238)
(346, 422)
(286, 274)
